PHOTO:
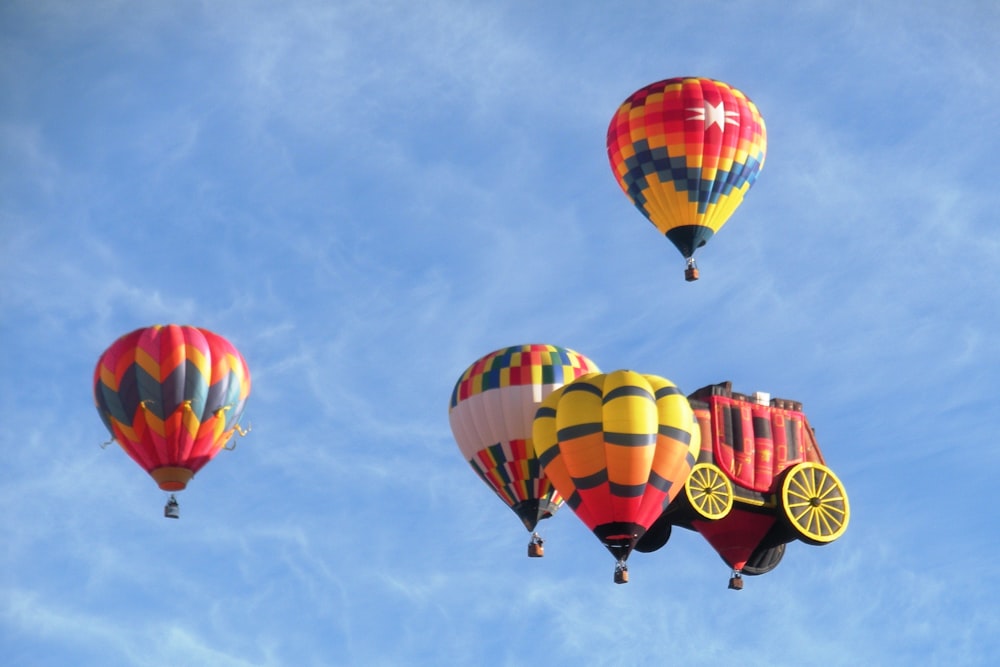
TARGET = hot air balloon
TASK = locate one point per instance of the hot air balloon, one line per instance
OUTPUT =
(760, 482)
(172, 397)
(686, 151)
(618, 447)
(491, 412)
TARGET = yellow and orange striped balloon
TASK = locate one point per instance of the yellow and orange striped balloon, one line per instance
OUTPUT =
(618, 447)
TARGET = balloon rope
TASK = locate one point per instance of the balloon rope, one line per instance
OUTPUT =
(231, 445)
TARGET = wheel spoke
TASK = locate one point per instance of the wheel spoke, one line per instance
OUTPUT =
(814, 522)
(828, 525)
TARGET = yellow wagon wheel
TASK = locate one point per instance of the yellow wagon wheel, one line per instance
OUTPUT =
(815, 503)
(709, 491)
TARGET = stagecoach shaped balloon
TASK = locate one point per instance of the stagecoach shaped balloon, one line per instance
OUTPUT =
(171, 396)
(491, 412)
(760, 482)
(686, 151)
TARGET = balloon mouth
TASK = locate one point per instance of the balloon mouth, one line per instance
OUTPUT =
(532, 511)
(619, 537)
(172, 478)
(688, 238)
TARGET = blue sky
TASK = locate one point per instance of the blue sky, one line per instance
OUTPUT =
(366, 197)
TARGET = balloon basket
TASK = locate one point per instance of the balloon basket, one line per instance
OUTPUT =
(691, 274)
(621, 574)
(172, 510)
(736, 582)
(536, 548)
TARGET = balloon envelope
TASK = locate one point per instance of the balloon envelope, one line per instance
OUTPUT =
(686, 151)
(760, 481)
(492, 408)
(171, 396)
(618, 447)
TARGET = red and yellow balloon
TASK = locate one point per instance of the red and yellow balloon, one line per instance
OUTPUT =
(172, 397)
(686, 151)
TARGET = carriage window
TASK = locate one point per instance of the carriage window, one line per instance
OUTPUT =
(793, 425)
